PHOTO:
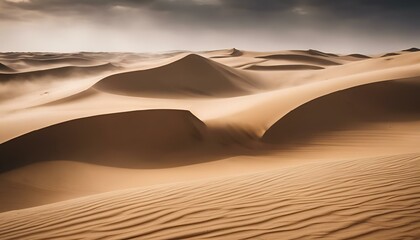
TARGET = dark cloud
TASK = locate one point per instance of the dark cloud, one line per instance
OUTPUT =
(339, 8)
(312, 19)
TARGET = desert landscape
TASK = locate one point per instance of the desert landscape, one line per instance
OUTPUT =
(209, 119)
(223, 144)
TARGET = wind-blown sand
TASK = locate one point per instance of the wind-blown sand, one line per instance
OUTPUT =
(226, 144)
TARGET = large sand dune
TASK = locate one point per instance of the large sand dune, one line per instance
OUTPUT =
(149, 138)
(349, 109)
(191, 75)
(227, 144)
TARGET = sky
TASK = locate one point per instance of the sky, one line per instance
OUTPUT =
(340, 26)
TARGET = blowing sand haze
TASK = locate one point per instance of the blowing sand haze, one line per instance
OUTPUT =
(130, 141)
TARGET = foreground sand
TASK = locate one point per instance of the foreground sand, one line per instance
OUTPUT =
(223, 144)
(376, 198)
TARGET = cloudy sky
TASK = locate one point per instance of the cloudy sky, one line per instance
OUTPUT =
(344, 26)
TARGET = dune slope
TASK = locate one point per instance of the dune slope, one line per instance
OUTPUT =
(376, 198)
(349, 109)
(192, 75)
(4, 68)
(148, 138)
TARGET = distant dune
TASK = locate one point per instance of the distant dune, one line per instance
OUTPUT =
(283, 67)
(57, 73)
(4, 68)
(390, 54)
(47, 60)
(358, 55)
(221, 144)
(412, 50)
(317, 53)
(309, 59)
(189, 76)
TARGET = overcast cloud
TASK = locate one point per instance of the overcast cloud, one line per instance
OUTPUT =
(159, 25)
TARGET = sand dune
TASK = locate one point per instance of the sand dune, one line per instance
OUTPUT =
(316, 53)
(51, 60)
(4, 68)
(150, 138)
(228, 144)
(230, 53)
(283, 67)
(190, 76)
(315, 60)
(55, 73)
(348, 109)
(390, 54)
(412, 50)
(374, 198)
(358, 55)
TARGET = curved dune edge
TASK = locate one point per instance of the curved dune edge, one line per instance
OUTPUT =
(190, 76)
(348, 109)
(376, 198)
(145, 138)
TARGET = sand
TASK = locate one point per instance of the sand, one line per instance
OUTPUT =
(224, 144)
